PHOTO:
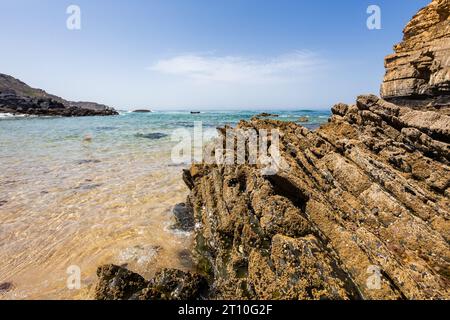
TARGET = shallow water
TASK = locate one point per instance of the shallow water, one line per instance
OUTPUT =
(90, 191)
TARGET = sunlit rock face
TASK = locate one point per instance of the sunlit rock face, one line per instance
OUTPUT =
(418, 73)
(358, 209)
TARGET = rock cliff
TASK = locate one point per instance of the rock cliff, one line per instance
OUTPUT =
(17, 97)
(418, 73)
(357, 209)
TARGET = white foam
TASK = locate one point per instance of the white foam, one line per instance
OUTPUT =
(139, 255)
(7, 115)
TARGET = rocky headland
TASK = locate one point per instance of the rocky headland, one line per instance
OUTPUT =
(360, 208)
(17, 97)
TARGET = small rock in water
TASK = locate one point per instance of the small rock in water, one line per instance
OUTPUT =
(185, 258)
(303, 119)
(85, 186)
(87, 138)
(265, 114)
(3, 202)
(105, 128)
(152, 136)
(184, 217)
(88, 161)
(139, 254)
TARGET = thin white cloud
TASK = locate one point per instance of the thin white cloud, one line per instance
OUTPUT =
(241, 70)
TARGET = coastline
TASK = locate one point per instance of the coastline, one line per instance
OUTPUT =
(67, 201)
(350, 203)
(358, 210)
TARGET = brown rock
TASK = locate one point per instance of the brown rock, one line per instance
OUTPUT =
(418, 73)
(366, 190)
(303, 119)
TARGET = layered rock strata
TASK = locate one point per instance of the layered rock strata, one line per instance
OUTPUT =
(418, 73)
(357, 209)
(368, 192)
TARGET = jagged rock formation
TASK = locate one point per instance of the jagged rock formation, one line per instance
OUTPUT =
(358, 209)
(18, 98)
(370, 189)
(418, 73)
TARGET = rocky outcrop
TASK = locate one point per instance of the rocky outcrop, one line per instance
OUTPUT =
(18, 98)
(357, 209)
(368, 191)
(418, 73)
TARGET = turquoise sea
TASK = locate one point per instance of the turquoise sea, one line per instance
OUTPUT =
(88, 191)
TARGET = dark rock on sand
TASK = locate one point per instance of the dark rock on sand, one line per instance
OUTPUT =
(88, 186)
(87, 161)
(152, 136)
(117, 283)
(17, 97)
(6, 287)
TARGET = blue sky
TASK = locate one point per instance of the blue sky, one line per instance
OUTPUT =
(203, 54)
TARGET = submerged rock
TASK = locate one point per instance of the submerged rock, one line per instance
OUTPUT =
(184, 217)
(87, 161)
(142, 111)
(152, 136)
(303, 119)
